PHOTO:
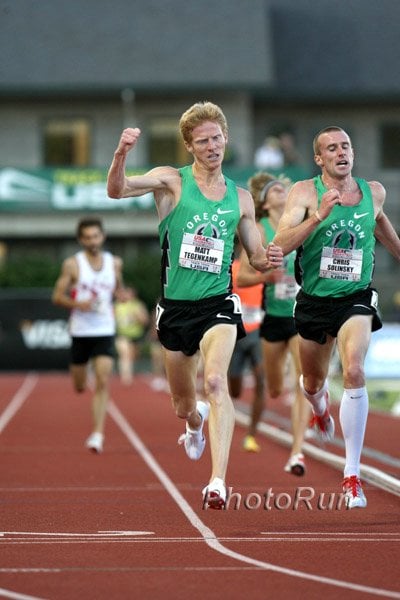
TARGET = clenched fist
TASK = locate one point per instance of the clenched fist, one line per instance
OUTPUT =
(128, 139)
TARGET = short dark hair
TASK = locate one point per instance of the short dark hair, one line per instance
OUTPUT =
(88, 222)
(324, 130)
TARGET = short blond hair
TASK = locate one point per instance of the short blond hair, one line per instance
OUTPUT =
(199, 113)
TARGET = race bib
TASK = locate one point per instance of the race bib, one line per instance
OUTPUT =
(286, 289)
(339, 263)
(201, 253)
(252, 314)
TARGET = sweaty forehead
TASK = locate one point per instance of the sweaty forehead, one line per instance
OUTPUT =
(333, 137)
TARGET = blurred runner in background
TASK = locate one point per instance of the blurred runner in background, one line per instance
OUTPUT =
(86, 286)
(132, 319)
(248, 352)
(278, 331)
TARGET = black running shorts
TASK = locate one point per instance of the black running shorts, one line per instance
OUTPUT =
(181, 324)
(277, 329)
(85, 348)
(317, 317)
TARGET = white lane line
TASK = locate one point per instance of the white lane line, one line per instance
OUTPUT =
(209, 536)
(108, 541)
(98, 534)
(148, 537)
(77, 488)
(16, 596)
(322, 533)
(18, 399)
(13, 407)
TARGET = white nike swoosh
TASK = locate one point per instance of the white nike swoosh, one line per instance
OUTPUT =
(223, 212)
(357, 216)
(223, 316)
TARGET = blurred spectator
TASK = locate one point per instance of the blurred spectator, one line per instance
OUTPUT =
(132, 319)
(288, 146)
(270, 155)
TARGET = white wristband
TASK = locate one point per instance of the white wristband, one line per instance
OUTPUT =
(318, 216)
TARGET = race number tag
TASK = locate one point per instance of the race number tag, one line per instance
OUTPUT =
(201, 253)
(286, 289)
(252, 315)
(339, 263)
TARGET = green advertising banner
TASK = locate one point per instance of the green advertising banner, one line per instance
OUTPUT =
(61, 189)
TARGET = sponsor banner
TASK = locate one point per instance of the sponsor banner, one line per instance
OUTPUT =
(63, 189)
(70, 189)
(33, 332)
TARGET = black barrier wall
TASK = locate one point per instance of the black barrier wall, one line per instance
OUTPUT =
(33, 332)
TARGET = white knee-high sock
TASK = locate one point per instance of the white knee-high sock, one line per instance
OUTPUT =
(318, 400)
(353, 416)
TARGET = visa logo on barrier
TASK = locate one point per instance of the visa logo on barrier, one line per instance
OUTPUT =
(45, 334)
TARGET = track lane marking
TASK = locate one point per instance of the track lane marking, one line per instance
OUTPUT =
(18, 399)
(16, 596)
(179, 540)
(208, 535)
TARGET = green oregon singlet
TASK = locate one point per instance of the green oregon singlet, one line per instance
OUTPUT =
(338, 258)
(279, 297)
(197, 242)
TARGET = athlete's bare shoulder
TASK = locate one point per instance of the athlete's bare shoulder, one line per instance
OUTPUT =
(302, 193)
(70, 265)
(245, 201)
(303, 186)
(378, 195)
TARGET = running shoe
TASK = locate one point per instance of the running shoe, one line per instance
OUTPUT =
(95, 442)
(296, 465)
(214, 494)
(250, 444)
(194, 440)
(353, 492)
(324, 425)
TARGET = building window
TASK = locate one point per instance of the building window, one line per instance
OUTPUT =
(67, 143)
(165, 143)
(390, 146)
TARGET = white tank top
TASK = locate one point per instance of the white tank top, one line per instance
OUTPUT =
(99, 287)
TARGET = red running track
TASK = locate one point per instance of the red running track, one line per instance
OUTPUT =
(129, 523)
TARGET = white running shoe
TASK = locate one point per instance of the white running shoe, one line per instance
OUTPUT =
(194, 439)
(354, 495)
(214, 494)
(95, 442)
(296, 465)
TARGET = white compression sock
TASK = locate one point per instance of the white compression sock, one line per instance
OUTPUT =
(317, 400)
(353, 419)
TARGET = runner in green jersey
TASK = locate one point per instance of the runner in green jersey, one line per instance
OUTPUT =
(280, 341)
(332, 221)
(200, 211)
